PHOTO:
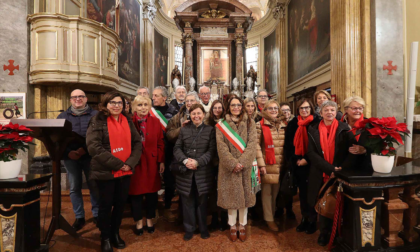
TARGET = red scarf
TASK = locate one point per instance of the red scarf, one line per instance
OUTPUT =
(327, 138)
(261, 109)
(301, 137)
(120, 141)
(270, 157)
(356, 124)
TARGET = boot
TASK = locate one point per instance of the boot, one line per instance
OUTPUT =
(311, 228)
(303, 226)
(323, 239)
(188, 236)
(117, 242)
(79, 223)
(290, 215)
(106, 246)
(272, 226)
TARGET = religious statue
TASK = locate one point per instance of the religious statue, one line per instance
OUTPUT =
(250, 88)
(235, 84)
(252, 73)
(216, 71)
(192, 84)
(176, 74)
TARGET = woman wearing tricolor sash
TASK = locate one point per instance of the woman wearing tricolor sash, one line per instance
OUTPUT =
(236, 138)
(270, 158)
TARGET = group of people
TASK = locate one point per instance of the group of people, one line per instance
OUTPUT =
(217, 155)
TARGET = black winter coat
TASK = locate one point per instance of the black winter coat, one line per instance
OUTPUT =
(289, 147)
(79, 125)
(97, 140)
(319, 165)
(174, 103)
(202, 151)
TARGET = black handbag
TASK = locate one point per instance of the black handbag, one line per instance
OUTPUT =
(288, 185)
(179, 167)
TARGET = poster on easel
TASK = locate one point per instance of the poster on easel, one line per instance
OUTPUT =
(12, 106)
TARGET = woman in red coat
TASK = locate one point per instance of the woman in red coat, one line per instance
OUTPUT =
(146, 179)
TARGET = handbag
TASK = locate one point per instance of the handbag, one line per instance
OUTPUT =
(327, 199)
(179, 167)
(288, 184)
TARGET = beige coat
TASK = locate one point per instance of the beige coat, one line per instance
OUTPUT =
(234, 189)
(174, 126)
(277, 128)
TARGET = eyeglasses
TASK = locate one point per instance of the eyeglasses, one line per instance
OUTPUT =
(77, 97)
(285, 110)
(115, 104)
(272, 108)
(305, 108)
(236, 105)
(205, 94)
(263, 96)
(354, 109)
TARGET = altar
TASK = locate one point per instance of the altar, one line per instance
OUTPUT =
(381, 211)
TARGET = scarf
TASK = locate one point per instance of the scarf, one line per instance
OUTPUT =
(356, 124)
(120, 141)
(140, 123)
(78, 112)
(327, 138)
(301, 137)
(270, 157)
(261, 109)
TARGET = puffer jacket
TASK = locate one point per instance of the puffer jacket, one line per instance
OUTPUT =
(99, 147)
(202, 151)
(277, 129)
(234, 190)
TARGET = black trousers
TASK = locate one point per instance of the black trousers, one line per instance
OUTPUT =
(112, 198)
(325, 225)
(302, 174)
(169, 181)
(151, 204)
(194, 206)
(283, 201)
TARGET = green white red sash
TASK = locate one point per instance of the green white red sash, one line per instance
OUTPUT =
(240, 144)
(159, 115)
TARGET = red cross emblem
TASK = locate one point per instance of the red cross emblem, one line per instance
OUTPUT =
(11, 67)
(390, 67)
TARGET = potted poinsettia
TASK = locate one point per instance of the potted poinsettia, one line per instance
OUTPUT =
(13, 138)
(383, 136)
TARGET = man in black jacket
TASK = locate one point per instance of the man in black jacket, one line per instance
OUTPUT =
(77, 159)
(179, 101)
(160, 94)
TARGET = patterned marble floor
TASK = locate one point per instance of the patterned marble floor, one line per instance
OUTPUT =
(168, 237)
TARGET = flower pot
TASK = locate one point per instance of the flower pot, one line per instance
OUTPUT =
(10, 169)
(382, 164)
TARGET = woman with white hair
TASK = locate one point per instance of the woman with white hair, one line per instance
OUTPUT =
(328, 153)
(320, 97)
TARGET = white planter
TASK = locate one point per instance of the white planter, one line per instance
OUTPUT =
(382, 164)
(10, 169)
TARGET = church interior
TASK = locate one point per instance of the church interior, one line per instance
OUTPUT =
(290, 48)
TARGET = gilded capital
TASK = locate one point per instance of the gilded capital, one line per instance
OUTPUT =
(239, 25)
(187, 25)
(239, 38)
(187, 38)
(279, 11)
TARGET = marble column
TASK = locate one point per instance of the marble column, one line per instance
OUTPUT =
(187, 39)
(239, 59)
(279, 13)
(411, 214)
(147, 64)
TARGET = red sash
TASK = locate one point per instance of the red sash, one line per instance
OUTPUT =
(270, 157)
(120, 141)
(301, 137)
(328, 142)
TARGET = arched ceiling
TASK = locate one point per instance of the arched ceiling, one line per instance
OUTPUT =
(258, 7)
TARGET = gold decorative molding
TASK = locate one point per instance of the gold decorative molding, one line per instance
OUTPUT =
(17, 205)
(112, 56)
(239, 37)
(363, 200)
(38, 187)
(239, 25)
(213, 13)
(367, 226)
(7, 238)
(187, 25)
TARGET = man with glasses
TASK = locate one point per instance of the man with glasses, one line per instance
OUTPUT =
(285, 109)
(262, 98)
(77, 159)
(179, 101)
(204, 94)
(160, 94)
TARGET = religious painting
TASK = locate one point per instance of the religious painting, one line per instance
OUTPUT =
(214, 65)
(271, 63)
(161, 59)
(308, 36)
(102, 11)
(12, 106)
(129, 49)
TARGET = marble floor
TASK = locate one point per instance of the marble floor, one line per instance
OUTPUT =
(168, 236)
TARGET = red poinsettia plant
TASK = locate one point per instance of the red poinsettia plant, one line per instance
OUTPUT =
(383, 134)
(13, 137)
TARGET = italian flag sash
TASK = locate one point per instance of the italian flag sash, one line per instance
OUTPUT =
(159, 115)
(239, 143)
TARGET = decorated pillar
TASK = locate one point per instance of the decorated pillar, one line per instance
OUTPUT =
(187, 40)
(146, 76)
(279, 13)
(239, 39)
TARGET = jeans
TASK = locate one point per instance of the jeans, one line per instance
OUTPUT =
(113, 195)
(75, 168)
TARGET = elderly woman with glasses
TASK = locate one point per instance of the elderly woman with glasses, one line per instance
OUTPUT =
(328, 153)
(270, 158)
(354, 107)
(235, 191)
(285, 109)
(320, 97)
(115, 147)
